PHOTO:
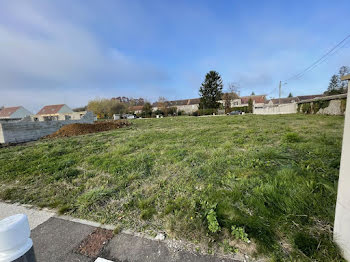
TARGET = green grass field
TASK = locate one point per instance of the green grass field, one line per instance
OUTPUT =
(215, 181)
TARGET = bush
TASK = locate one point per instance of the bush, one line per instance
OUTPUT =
(306, 108)
(208, 111)
(244, 109)
(317, 105)
(343, 105)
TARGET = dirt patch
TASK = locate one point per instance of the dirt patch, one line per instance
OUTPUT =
(93, 244)
(82, 129)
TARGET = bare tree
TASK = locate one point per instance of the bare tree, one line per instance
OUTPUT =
(234, 90)
(162, 105)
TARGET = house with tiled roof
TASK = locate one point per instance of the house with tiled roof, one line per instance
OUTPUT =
(186, 105)
(136, 109)
(15, 112)
(258, 101)
(53, 112)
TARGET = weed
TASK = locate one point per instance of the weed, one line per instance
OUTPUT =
(239, 233)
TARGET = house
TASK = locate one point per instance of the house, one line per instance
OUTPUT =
(191, 105)
(287, 100)
(258, 101)
(187, 105)
(54, 112)
(16, 112)
(136, 109)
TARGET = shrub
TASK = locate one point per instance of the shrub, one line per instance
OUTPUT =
(306, 108)
(244, 109)
(343, 105)
(208, 111)
(195, 113)
(317, 105)
(299, 107)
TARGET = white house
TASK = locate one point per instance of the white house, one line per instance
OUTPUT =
(55, 112)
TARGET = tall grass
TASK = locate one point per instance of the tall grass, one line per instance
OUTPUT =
(270, 179)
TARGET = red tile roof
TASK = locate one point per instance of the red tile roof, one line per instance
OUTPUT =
(136, 108)
(8, 111)
(257, 99)
(50, 110)
(182, 102)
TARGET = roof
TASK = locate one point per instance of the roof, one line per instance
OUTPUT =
(301, 98)
(8, 111)
(49, 110)
(257, 99)
(183, 102)
(285, 100)
(136, 108)
(318, 98)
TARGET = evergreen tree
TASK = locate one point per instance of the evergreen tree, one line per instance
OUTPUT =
(211, 91)
(334, 86)
(253, 94)
(344, 70)
(290, 95)
(250, 105)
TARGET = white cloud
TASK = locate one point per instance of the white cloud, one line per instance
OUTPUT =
(43, 51)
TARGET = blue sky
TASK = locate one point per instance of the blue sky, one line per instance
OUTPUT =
(73, 51)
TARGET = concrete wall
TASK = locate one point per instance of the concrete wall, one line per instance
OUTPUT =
(275, 110)
(188, 109)
(342, 213)
(24, 130)
(334, 108)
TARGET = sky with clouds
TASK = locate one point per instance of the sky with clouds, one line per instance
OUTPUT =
(69, 52)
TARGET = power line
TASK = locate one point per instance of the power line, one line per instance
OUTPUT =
(320, 60)
(323, 60)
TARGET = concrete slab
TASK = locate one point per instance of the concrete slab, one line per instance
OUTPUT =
(125, 247)
(35, 216)
(55, 240)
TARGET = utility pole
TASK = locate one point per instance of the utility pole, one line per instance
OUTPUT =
(342, 212)
(280, 91)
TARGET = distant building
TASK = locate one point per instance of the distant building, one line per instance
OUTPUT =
(191, 105)
(287, 100)
(187, 105)
(53, 112)
(258, 101)
(16, 112)
(136, 109)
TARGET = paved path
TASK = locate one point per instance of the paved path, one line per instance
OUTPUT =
(57, 239)
(35, 217)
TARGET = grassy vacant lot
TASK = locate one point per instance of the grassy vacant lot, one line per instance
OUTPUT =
(216, 181)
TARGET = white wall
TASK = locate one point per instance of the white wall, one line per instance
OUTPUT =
(342, 213)
(24, 131)
(275, 110)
